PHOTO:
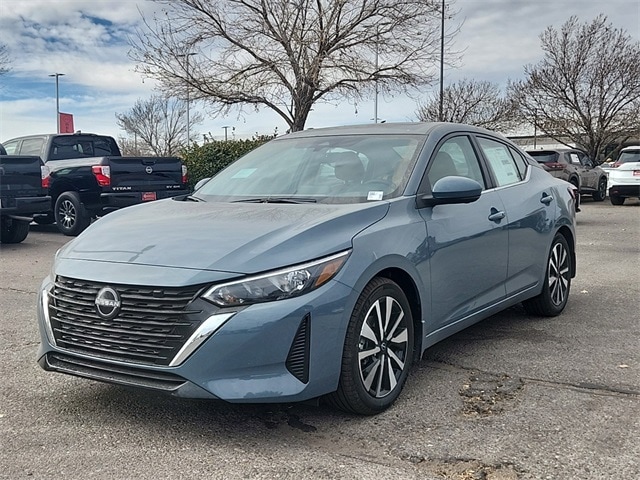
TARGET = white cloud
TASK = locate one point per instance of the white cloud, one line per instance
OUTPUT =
(87, 40)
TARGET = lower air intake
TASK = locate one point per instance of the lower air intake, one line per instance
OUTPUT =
(298, 359)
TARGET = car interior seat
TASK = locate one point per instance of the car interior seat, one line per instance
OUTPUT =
(348, 167)
(443, 166)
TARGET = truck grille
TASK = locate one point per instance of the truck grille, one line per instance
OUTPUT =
(152, 325)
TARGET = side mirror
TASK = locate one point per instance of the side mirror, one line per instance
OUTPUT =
(201, 182)
(452, 190)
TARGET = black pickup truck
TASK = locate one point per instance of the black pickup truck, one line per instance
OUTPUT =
(90, 177)
(23, 192)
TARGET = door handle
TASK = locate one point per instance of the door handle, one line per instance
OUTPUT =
(546, 199)
(496, 215)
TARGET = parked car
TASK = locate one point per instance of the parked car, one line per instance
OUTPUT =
(320, 265)
(575, 167)
(89, 177)
(23, 193)
(624, 176)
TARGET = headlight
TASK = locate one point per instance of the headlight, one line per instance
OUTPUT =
(286, 283)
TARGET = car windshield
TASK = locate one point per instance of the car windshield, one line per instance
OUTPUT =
(545, 157)
(629, 156)
(323, 169)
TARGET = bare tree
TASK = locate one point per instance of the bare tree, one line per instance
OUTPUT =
(286, 55)
(5, 59)
(473, 102)
(586, 90)
(158, 125)
(130, 147)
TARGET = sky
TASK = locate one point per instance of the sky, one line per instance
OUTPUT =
(87, 41)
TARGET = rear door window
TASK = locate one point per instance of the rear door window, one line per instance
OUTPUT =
(501, 162)
(32, 146)
(11, 147)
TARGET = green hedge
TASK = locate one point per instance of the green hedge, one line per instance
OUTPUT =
(208, 159)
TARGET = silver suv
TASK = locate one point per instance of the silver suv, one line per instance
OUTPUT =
(575, 167)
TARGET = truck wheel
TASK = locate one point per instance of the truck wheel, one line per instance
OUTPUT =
(71, 216)
(13, 231)
(615, 200)
(598, 195)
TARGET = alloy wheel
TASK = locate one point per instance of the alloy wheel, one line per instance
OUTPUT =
(559, 274)
(383, 346)
(68, 214)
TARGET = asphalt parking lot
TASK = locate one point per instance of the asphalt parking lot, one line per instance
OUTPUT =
(513, 397)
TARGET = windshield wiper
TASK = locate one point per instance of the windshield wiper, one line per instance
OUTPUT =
(187, 198)
(277, 200)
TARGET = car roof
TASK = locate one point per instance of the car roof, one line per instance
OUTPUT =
(420, 128)
(558, 150)
(631, 147)
(49, 135)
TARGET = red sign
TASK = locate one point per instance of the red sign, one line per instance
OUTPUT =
(66, 123)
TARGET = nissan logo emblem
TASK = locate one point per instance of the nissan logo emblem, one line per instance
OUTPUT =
(149, 170)
(108, 303)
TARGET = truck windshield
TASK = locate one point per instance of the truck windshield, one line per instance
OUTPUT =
(78, 146)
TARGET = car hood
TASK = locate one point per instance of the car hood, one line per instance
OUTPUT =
(225, 237)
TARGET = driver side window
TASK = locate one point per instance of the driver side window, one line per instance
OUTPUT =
(455, 157)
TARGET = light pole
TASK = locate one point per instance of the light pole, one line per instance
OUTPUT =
(535, 128)
(57, 100)
(186, 56)
(226, 127)
(440, 108)
(375, 99)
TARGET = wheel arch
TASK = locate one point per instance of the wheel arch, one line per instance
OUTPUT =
(408, 286)
(570, 238)
(58, 188)
(575, 180)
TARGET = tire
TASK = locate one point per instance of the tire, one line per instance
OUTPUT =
(615, 200)
(600, 194)
(13, 231)
(557, 281)
(378, 350)
(71, 216)
(46, 219)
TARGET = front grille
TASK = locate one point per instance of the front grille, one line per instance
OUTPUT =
(152, 325)
(97, 370)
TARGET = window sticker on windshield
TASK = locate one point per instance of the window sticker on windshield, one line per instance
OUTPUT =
(375, 195)
(245, 173)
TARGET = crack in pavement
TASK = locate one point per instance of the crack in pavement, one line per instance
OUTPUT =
(584, 387)
(17, 290)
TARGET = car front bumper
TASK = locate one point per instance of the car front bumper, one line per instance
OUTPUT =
(288, 350)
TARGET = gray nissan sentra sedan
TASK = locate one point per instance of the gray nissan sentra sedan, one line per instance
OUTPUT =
(320, 265)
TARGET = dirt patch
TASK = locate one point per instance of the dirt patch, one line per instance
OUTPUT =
(464, 469)
(486, 393)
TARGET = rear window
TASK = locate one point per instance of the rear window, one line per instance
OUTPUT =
(629, 156)
(78, 146)
(545, 157)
